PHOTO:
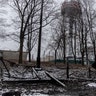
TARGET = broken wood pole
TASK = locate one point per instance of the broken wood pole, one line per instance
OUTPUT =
(55, 79)
(36, 73)
(67, 68)
(6, 67)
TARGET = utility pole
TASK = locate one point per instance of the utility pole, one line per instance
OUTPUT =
(40, 34)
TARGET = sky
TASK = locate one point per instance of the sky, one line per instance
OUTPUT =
(59, 1)
(9, 44)
(7, 13)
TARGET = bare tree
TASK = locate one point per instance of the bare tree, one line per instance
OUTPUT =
(29, 14)
(89, 23)
(22, 8)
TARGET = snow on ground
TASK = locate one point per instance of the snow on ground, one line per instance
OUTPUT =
(36, 94)
(22, 72)
(45, 90)
(92, 84)
(41, 90)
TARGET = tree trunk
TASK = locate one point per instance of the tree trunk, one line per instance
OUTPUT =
(94, 51)
(82, 42)
(75, 40)
(64, 42)
(55, 56)
(29, 45)
(40, 33)
(21, 49)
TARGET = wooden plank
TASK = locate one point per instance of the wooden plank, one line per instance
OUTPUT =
(26, 81)
(36, 73)
(55, 79)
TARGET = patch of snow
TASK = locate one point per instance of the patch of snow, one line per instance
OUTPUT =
(36, 94)
(92, 84)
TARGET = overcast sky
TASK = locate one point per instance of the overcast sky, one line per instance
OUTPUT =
(7, 13)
